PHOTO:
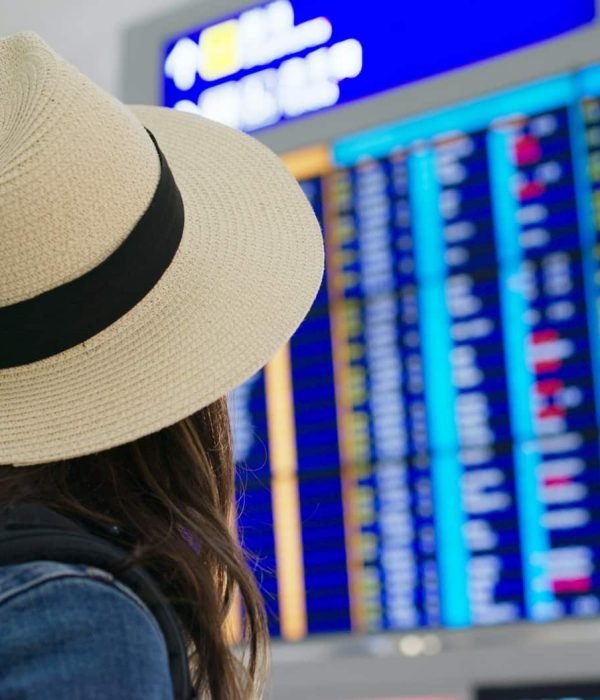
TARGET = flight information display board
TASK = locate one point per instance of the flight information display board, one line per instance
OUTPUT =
(424, 453)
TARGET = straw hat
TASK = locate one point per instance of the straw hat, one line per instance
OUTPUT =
(150, 261)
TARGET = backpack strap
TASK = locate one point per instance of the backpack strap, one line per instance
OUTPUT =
(30, 532)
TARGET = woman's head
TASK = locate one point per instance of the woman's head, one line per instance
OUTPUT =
(172, 495)
(152, 260)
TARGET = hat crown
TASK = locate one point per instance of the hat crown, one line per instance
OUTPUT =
(77, 170)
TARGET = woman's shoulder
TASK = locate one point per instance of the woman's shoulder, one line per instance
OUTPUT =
(74, 630)
(15, 579)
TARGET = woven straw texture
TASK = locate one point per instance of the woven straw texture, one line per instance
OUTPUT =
(77, 171)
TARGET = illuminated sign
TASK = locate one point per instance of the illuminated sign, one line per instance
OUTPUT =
(254, 41)
(287, 58)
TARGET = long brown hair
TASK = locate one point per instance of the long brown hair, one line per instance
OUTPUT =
(172, 492)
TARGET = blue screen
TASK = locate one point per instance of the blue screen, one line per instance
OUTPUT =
(288, 58)
(446, 383)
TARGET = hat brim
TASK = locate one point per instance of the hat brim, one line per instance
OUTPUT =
(247, 270)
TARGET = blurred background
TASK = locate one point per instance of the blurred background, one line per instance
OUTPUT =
(419, 469)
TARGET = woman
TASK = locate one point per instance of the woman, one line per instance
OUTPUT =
(151, 261)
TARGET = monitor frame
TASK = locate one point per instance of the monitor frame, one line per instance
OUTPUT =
(141, 77)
